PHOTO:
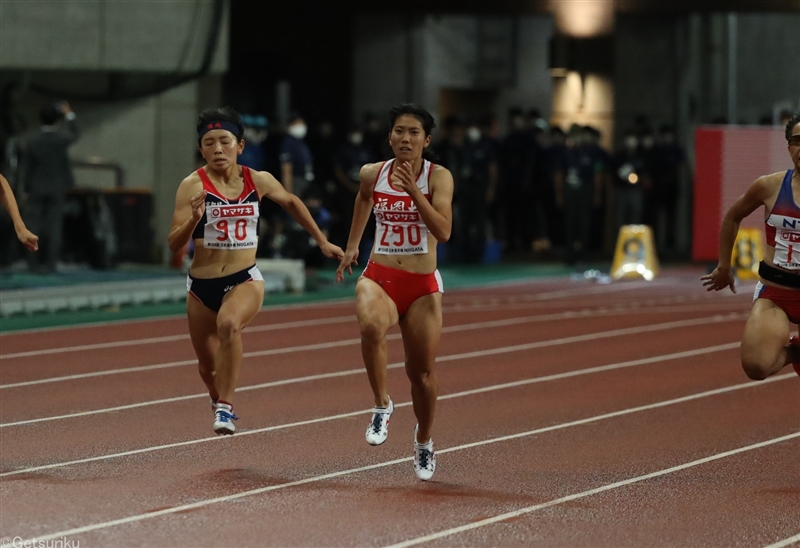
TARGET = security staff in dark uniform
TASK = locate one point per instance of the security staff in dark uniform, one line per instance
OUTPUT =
(46, 178)
(578, 191)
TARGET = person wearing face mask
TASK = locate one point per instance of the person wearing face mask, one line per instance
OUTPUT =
(412, 202)
(477, 185)
(630, 182)
(297, 164)
(578, 188)
(217, 207)
(347, 162)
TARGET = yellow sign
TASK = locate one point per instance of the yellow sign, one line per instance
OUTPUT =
(635, 254)
(747, 253)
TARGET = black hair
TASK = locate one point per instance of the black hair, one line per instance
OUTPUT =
(224, 114)
(293, 117)
(410, 109)
(49, 115)
(793, 121)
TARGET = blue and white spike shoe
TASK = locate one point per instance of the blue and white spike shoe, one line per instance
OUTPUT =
(223, 419)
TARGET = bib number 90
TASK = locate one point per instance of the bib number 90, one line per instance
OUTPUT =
(239, 230)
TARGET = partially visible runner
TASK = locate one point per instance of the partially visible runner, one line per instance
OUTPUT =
(776, 302)
(217, 206)
(412, 201)
(28, 238)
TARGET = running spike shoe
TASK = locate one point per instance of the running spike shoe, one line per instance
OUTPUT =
(223, 419)
(424, 458)
(378, 429)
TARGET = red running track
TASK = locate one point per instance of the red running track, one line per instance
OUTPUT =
(570, 414)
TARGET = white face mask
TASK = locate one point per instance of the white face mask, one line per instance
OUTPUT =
(297, 130)
(356, 138)
(473, 134)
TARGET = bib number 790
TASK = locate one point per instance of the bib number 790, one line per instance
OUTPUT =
(400, 234)
(239, 230)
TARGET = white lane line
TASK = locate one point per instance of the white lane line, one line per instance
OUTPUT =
(173, 338)
(461, 356)
(300, 323)
(267, 308)
(590, 492)
(785, 542)
(347, 342)
(314, 479)
(534, 380)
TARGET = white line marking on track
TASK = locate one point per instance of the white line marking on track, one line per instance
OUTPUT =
(586, 313)
(340, 473)
(173, 338)
(590, 492)
(531, 297)
(534, 380)
(785, 542)
(465, 355)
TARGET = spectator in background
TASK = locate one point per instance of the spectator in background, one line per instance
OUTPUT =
(375, 137)
(297, 164)
(46, 176)
(602, 160)
(476, 187)
(255, 133)
(578, 191)
(297, 175)
(666, 187)
(300, 244)
(647, 152)
(323, 143)
(347, 163)
(515, 169)
(630, 182)
(554, 158)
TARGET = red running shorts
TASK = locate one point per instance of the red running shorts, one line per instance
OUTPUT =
(403, 287)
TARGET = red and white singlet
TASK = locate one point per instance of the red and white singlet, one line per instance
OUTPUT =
(229, 224)
(782, 227)
(400, 229)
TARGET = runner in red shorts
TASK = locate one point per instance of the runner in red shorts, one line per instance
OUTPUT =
(412, 201)
(776, 303)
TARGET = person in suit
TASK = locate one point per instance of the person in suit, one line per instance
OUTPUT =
(46, 178)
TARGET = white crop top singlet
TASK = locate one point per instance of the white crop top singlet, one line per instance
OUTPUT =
(400, 229)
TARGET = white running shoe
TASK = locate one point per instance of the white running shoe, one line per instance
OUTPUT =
(223, 419)
(424, 458)
(378, 429)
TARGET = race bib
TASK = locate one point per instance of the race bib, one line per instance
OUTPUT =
(231, 226)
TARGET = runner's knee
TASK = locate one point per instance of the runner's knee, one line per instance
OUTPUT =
(228, 329)
(373, 329)
(421, 378)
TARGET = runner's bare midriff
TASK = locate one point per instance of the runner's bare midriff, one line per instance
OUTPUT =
(215, 263)
(418, 264)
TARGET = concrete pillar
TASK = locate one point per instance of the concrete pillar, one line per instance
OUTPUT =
(585, 96)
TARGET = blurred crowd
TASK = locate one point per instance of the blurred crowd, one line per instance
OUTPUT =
(535, 191)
